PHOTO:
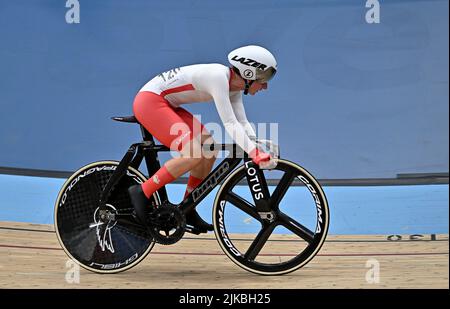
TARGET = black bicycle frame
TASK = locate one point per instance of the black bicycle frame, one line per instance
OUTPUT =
(147, 149)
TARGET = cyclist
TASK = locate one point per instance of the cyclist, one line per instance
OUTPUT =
(157, 108)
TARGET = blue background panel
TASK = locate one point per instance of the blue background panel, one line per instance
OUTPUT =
(352, 99)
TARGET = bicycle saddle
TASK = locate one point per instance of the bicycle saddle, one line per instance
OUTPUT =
(131, 119)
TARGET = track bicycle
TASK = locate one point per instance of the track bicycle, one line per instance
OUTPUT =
(267, 221)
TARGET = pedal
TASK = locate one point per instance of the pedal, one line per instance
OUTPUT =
(193, 230)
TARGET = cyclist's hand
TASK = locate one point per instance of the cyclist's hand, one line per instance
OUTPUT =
(259, 157)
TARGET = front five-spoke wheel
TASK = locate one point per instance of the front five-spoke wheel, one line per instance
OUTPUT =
(279, 241)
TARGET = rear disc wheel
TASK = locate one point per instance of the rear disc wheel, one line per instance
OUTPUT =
(101, 241)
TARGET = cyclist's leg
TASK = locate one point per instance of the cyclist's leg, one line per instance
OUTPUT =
(204, 168)
(174, 132)
(199, 172)
(162, 121)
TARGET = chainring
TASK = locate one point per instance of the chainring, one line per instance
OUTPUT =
(166, 224)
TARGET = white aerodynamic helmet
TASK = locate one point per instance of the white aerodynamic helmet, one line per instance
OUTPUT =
(253, 63)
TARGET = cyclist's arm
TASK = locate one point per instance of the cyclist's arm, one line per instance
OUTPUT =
(217, 87)
(239, 111)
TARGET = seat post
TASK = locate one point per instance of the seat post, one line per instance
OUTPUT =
(146, 136)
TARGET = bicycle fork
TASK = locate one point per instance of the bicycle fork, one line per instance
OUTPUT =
(259, 190)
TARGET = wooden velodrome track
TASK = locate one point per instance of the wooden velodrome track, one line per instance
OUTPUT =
(31, 257)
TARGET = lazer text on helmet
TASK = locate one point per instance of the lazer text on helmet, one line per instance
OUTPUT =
(250, 62)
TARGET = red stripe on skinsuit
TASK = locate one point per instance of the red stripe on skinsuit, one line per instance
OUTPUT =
(177, 89)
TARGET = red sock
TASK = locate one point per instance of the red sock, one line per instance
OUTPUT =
(161, 178)
(193, 182)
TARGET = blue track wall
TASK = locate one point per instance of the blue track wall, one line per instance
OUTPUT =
(354, 210)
